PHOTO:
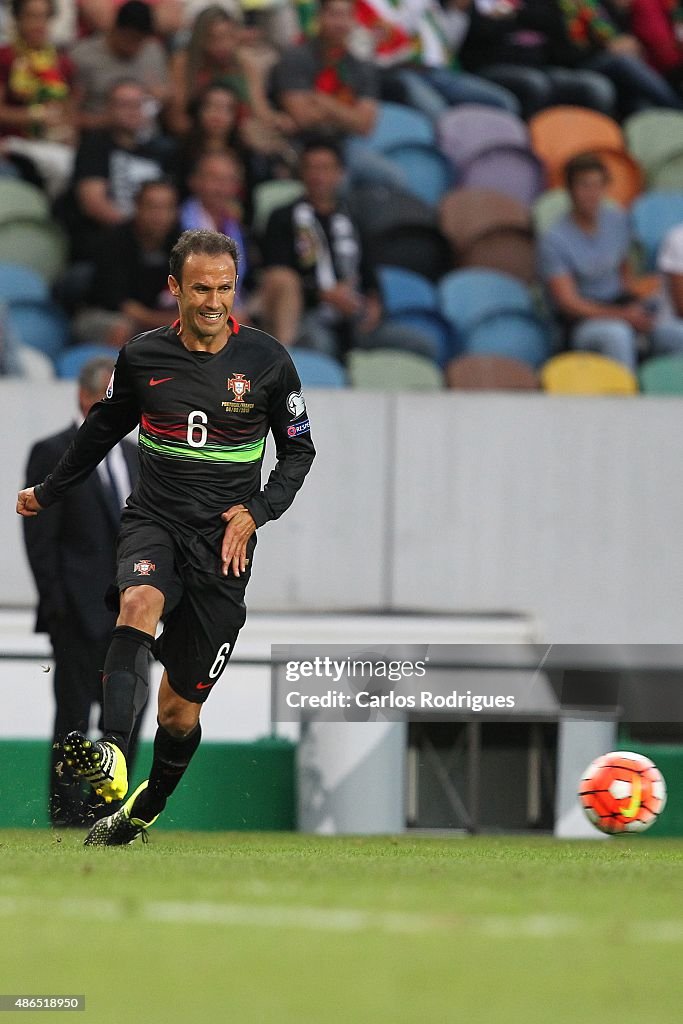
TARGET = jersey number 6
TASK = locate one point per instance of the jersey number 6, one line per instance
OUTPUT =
(196, 429)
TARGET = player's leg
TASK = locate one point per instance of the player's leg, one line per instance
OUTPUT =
(148, 584)
(198, 639)
(178, 735)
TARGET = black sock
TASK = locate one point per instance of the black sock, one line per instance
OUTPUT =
(125, 683)
(171, 757)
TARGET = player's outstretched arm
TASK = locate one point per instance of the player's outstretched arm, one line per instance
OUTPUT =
(240, 526)
(27, 504)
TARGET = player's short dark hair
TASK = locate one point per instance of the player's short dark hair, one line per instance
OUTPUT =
(584, 163)
(92, 372)
(18, 6)
(136, 15)
(200, 241)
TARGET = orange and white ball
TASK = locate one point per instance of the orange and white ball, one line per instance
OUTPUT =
(622, 792)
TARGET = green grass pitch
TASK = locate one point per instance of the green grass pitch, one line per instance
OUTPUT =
(201, 928)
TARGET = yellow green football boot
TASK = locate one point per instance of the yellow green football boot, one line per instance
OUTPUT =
(121, 828)
(100, 763)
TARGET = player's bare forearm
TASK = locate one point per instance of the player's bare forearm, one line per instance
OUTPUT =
(237, 533)
(27, 505)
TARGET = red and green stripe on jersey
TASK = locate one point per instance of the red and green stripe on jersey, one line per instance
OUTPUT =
(195, 440)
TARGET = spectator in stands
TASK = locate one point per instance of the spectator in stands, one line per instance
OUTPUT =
(319, 289)
(216, 187)
(326, 90)
(584, 260)
(37, 116)
(217, 54)
(414, 43)
(111, 165)
(512, 44)
(129, 291)
(321, 85)
(71, 552)
(214, 118)
(127, 51)
(590, 39)
(658, 25)
(669, 332)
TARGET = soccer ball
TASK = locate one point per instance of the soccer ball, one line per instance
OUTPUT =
(622, 792)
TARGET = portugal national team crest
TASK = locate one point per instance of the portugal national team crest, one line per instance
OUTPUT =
(144, 568)
(239, 386)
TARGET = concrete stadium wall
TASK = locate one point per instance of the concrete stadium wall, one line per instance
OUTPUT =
(568, 509)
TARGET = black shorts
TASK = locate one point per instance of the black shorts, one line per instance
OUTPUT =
(203, 610)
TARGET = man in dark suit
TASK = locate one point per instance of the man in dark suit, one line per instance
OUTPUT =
(71, 550)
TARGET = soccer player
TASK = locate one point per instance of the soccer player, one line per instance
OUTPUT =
(204, 392)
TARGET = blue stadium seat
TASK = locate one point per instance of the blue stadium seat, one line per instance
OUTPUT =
(519, 336)
(437, 339)
(70, 362)
(404, 289)
(397, 125)
(468, 296)
(21, 284)
(317, 370)
(428, 173)
(654, 214)
(42, 325)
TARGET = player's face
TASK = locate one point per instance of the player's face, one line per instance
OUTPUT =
(205, 296)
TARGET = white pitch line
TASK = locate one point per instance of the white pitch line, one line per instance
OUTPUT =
(338, 919)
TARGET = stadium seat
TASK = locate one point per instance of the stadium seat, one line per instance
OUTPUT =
(562, 132)
(38, 244)
(405, 290)
(466, 214)
(428, 173)
(466, 297)
(70, 361)
(433, 335)
(379, 208)
(397, 125)
(392, 370)
(509, 250)
(521, 336)
(513, 170)
(465, 131)
(272, 195)
(653, 135)
(667, 176)
(19, 199)
(317, 370)
(42, 325)
(21, 284)
(414, 247)
(662, 375)
(490, 373)
(653, 215)
(587, 373)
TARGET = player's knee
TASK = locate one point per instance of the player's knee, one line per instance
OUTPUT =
(141, 607)
(179, 719)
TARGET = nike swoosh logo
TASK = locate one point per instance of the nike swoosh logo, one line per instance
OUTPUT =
(204, 686)
(162, 380)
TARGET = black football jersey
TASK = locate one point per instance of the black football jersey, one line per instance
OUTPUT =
(203, 420)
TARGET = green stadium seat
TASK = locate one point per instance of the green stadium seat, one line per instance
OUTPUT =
(19, 199)
(662, 375)
(393, 370)
(31, 242)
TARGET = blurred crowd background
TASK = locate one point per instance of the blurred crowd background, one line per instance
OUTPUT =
(483, 193)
